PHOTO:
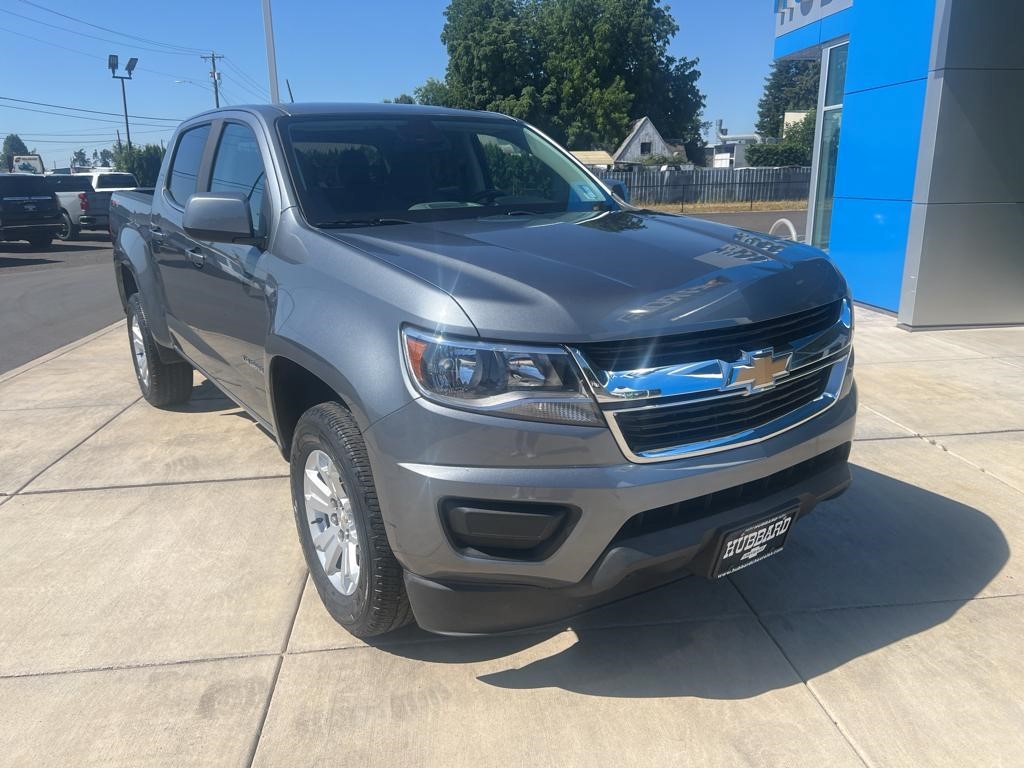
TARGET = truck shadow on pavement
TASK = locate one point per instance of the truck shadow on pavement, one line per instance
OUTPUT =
(904, 558)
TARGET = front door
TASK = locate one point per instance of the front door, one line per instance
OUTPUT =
(232, 283)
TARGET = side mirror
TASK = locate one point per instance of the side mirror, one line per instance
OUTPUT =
(620, 190)
(220, 217)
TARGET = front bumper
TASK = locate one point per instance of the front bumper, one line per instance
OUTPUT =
(424, 454)
(626, 567)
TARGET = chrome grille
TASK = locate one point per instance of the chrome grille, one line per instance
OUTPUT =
(717, 344)
(721, 388)
(655, 429)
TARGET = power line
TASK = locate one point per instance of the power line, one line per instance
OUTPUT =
(245, 76)
(183, 48)
(95, 37)
(248, 89)
(90, 111)
(106, 120)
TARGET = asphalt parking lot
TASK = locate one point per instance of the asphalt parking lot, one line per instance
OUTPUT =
(52, 297)
(154, 607)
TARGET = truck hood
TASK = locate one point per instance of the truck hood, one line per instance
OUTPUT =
(591, 277)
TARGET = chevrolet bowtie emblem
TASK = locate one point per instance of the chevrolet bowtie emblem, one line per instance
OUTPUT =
(756, 371)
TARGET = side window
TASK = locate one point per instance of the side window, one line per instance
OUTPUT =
(185, 166)
(238, 167)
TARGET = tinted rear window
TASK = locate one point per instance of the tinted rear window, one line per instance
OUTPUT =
(115, 180)
(69, 183)
(11, 185)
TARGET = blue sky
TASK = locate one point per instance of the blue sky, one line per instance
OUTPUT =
(345, 50)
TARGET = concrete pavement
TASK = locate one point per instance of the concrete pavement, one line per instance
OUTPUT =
(53, 297)
(154, 608)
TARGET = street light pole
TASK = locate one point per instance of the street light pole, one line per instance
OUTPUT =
(128, 68)
(268, 33)
(124, 102)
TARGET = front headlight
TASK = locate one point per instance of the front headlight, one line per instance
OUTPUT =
(517, 381)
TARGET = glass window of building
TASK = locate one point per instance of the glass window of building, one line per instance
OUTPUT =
(827, 151)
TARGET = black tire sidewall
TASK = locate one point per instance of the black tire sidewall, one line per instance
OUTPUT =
(349, 610)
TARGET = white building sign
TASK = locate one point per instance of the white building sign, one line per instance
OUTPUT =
(793, 14)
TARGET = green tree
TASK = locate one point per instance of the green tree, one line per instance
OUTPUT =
(791, 86)
(78, 157)
(581, 70)
(144, 162)
(796, 147)
(434, 92)
(402, 98)
(106, 157)
(13, 145)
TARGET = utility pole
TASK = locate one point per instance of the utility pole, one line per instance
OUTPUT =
(268, 34)
(214, 74)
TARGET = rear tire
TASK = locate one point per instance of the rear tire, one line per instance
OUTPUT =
(335, 502)
(40, 243)
(68, 231)
(162, 384)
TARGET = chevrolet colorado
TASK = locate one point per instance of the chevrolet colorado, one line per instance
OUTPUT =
(506, 395)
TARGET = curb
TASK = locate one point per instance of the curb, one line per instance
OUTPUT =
(59, 351)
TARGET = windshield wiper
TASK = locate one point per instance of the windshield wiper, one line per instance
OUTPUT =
(349, 223)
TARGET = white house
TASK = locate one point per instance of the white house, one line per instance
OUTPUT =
(645, 141)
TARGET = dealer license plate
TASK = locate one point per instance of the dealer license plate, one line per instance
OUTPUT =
(753, 543)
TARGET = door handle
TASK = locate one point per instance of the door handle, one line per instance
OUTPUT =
(196, 256)
(156, 237)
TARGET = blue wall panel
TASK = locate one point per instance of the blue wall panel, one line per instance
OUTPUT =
(890, 42)
(837, 25)
(878, 142)
(869, 242)
(798, 40)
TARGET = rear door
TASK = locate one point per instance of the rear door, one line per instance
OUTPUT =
(174, 252)
(231, 280)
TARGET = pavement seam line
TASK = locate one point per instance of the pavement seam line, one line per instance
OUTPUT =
(945, 449)
(74, 447)
(872, 606)
(59, 352)
(139, 665)
(839, 729)
(277, 673)
(155, 484)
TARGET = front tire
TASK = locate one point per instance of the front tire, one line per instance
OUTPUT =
(340, 526)
(162, 384)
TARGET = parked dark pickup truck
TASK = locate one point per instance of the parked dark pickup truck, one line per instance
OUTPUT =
(28, 210)
(506, 395)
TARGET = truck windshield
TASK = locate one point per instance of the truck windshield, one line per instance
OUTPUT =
(361, 171)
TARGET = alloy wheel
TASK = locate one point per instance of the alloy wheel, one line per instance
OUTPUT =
(332, 523)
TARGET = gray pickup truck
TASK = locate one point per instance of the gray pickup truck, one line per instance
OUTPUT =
(506, 395)
(85, 199)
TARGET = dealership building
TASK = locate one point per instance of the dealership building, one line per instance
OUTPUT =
(918, 171)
